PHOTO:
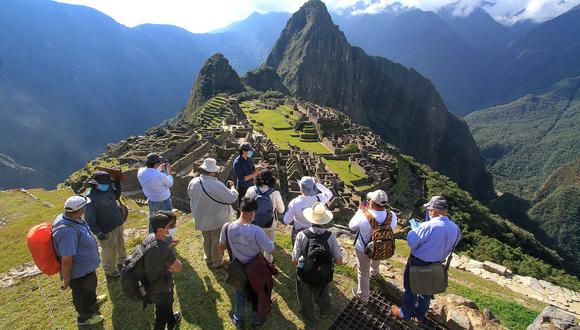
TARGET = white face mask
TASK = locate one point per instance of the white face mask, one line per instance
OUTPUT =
(172, 232)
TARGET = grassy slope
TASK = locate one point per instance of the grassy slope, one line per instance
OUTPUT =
(13, 250)
(275, 119)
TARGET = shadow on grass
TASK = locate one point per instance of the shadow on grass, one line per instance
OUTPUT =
(198, 304)
(126, 313)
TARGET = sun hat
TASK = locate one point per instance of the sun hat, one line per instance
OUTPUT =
(210, 165)
(379, 197)
(318, 214)
(437, 203)
(308, 186)
(75, 203)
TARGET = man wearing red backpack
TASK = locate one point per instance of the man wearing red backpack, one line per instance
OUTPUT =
(77, 249)
(374, 242)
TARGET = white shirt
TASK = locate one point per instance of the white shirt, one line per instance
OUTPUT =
(275, 197)
(360, 223)
(155, 184)
(300, 203)
(208, 214)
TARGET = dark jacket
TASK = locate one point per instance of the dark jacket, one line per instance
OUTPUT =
(261, 282)
(103, 214)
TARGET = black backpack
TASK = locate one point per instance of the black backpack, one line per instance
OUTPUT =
(318, 268)
(133, 280)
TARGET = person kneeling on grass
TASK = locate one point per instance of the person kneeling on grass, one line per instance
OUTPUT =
(246, 242)
(315, 251)
(77, 249)
(160, 263)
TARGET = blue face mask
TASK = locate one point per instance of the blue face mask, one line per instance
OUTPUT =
(103, 187)
(250, 154)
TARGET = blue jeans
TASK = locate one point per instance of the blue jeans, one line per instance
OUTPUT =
(240, 308)
(413, 305)
(158, 206)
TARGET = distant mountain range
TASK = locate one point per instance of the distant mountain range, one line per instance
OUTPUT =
(531, 148)
(72, 71)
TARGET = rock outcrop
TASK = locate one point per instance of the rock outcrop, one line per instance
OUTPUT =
(551, 318)
(316, 62)
(215, 76)
(264, 78)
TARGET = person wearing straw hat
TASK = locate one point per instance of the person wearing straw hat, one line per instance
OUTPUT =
(374, 207)
(210, 201)
(315, 273)
(309, 187)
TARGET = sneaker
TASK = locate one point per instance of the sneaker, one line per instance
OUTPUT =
(101, 299)
(239, 325)
(95, 319)
(177, 316)
(395, 312)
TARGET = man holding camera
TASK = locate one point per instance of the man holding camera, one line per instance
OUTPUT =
(210, 202)
(156, 179)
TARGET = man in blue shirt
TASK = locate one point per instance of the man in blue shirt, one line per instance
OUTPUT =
(245, 169)
(431, 242)
(77, 249)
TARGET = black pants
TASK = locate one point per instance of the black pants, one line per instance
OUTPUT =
(308, 295)
(163, 310)
(84, 295)
(241, 195)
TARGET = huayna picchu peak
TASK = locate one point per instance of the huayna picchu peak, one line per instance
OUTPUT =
(316, 63)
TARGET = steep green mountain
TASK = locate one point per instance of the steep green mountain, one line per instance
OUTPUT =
(531, 148)
(556, 210)
(524, 141)
(544, 56)
(215, 76)
(316, 62)
(265, 78)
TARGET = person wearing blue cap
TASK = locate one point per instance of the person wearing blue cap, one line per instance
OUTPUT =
(431, 242)
(309, 187)
(245, 169)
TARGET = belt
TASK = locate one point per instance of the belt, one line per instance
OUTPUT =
(427, 262)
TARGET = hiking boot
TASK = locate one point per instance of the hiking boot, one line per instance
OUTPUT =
(177, 317)
(101, 299)
(95, 319)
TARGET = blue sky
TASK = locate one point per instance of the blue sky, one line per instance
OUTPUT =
(207, 15)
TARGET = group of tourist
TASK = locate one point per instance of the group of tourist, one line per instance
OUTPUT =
(249, 240)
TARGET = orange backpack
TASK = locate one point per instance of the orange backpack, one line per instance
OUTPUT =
(39, 239)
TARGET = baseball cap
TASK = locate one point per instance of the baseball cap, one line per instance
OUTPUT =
(100, 177)
(437, 203)
(75, 203)
(308, 186)
(153, 158)
(379, 197)
(246, 146)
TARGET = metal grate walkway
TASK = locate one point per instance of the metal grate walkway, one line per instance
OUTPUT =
(375, 315)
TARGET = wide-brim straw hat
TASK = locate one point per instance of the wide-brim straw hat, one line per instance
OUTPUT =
(318, 214)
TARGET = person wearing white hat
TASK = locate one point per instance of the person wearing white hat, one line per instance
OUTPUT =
(210, 202)
(312, 279)
(77, 249)
(375, 207)
(309, 187)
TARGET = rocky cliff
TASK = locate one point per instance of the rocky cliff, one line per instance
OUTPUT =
(264, 78)
(215, 76)
(316, 62)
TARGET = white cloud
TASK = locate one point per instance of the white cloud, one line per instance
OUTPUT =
(204, 15)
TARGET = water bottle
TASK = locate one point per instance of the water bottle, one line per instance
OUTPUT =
(301, 262)
(142, 289)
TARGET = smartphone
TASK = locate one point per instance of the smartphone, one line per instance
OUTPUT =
(166, 163)
(414, 223)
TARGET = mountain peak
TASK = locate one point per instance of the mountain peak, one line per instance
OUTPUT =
(215, 76)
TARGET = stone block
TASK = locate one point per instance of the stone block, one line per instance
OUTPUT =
(456, 320)
(553, 318)
(495, 268)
